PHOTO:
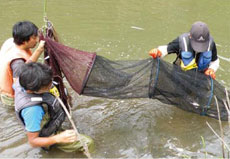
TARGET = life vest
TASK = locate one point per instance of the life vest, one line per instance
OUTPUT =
(6, 73)
(188, 56)
(56, 113)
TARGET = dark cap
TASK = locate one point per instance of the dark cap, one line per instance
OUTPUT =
(199, 36)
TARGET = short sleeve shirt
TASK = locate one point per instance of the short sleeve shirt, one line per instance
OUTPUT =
(32, 117)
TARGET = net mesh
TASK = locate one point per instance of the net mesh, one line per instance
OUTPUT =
(93, 75)
(156, 79)
(74, 64)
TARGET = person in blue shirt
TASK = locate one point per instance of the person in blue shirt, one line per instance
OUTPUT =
(31, 98)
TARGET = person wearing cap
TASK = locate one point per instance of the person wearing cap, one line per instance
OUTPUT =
(195, 50)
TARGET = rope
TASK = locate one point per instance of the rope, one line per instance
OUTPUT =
(44, 9)
(48, 24)
(44, 27)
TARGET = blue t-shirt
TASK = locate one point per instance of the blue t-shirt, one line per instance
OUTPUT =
(32, 117)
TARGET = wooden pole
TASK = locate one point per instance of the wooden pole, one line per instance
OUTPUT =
(86, 150)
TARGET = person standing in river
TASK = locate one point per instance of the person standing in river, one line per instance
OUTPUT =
(195, 50)
(15, 52)
(40, 113)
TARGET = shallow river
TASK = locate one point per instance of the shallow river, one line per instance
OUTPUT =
(124, 30)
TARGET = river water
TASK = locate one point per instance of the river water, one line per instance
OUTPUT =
(124, 30)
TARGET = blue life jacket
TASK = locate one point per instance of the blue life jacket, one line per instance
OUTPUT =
(188, 57)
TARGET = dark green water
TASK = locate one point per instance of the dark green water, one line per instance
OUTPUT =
(124, 29)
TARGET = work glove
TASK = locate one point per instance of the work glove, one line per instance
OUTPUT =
(210, 72)
(155, 53)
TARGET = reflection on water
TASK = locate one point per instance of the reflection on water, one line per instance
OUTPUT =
(118, 29)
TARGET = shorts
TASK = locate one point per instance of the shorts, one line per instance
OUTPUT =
(7, 101)
(77, 146)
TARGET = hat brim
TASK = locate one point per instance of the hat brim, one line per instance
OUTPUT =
(199, 46)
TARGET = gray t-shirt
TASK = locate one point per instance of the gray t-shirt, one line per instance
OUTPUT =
(15, 66)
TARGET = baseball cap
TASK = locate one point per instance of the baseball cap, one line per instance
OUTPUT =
(199, 36)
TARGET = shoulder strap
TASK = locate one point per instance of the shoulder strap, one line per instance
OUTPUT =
(57, 115)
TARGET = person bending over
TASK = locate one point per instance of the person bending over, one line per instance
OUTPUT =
(40, 113)
(195, 50)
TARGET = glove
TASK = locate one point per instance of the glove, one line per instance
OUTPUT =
(210, 72)
(155, 53)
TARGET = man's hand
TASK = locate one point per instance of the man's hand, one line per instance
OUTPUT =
(66, 136)
(155, 53)
(37, 52)
(210, 72)
(41, 46)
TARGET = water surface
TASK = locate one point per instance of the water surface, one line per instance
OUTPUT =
(124, 30)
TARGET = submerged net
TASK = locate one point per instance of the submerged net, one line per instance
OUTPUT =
(97, 76)
(156, 79)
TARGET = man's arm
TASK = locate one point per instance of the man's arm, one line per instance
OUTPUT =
(172, 47)
(214, 65)
(32, 117)
(64, 137)
(163, 50)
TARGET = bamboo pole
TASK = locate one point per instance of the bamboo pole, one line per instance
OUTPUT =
(228, 111)
(220, 124)
(227, 106)
(218, 136)
(228, 102)
(86, 150)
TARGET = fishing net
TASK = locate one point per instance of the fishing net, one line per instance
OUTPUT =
(93, 75)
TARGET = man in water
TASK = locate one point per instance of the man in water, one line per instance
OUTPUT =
(40, 112)
(15, 52)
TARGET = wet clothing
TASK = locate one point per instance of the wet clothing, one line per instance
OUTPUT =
(7, 101)
(77, 146)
